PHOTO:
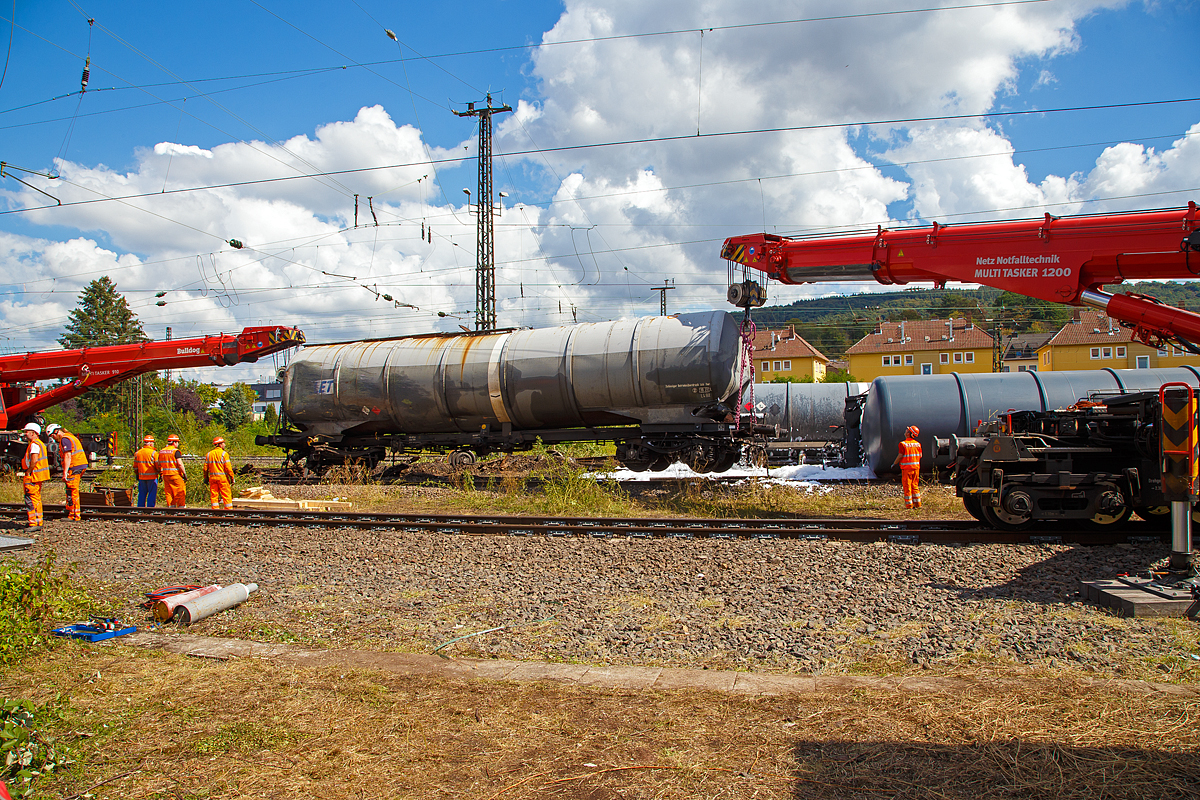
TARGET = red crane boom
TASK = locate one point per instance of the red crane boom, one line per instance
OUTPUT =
(1060, 259)
(94, 367)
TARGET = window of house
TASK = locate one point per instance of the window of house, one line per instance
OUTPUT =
(1020, 368)
(927, 369)
(1143, 362)
(887, 361)
(971, 358)
(1046, 357)
(1108, 352)
(273, 394)
(908, 361)
(1162, 352)
(958, 358)
(777, 366)
(945, 358)
(1032, 368)
(766, 366)
(1095, 352)
(1176, 351)
(787, 365)
(1120, 352)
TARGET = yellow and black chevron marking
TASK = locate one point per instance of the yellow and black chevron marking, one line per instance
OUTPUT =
(736, 253)
(1179, 445)
(280, 335)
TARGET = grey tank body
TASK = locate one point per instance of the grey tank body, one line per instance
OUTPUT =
(648, 370)
(953, 404)
(805, 412)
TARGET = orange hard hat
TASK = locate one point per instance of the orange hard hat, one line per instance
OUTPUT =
(219, 440)
(913, 431)
(172, 439)
(147, 439)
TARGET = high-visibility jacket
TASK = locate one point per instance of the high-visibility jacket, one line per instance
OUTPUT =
(35, 464)
(910, 454)
(217, 465)
(168, 460)
(145, 461)
(70, 446)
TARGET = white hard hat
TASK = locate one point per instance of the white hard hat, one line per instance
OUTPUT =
(33, 426)
(52, 427)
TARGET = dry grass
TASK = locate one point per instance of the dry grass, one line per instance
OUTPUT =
(190, 728)
(572, 495)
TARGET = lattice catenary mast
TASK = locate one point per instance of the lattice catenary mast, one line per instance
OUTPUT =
(485, 254)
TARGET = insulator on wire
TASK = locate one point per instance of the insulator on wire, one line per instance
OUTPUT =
(422, 231)
(236, 244)
(430, 238)
(87, 72)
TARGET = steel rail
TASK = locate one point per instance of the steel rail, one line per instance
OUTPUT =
(895, 531)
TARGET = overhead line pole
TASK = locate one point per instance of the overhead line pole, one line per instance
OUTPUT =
(485, 254)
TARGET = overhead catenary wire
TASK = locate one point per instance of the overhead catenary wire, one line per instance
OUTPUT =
(648, 140)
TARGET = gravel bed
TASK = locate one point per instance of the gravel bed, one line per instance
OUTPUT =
(801, 606)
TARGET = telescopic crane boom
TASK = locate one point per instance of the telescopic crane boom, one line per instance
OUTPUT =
(1059, 259)
(95, 367)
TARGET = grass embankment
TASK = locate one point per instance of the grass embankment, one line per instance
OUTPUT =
(150, 725)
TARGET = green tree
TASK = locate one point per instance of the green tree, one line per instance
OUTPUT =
(237, 406)
(101, 317)
(271, 417)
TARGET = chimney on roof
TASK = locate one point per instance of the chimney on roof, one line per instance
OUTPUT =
(1075, 315)
(950, 325)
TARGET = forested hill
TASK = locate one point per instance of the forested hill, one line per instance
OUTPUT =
(832, 324)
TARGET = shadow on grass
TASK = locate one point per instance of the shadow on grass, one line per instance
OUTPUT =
(1018, 768)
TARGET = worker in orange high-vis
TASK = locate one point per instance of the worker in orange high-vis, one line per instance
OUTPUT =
(218, 471)
(909, 461)
(36, 467)
(174, 476)
(145, 463)
(74, 463)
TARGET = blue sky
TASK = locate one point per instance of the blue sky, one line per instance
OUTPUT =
(222, 93)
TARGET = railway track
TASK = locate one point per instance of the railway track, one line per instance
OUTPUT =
(870, 530)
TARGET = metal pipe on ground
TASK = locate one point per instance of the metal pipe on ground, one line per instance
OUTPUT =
(193, 611)
(164, 609)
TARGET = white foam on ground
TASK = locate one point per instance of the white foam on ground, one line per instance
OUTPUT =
(804, 474)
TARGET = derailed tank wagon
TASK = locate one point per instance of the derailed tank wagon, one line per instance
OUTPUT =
(663, 388)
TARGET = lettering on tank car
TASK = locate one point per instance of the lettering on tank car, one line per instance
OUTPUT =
(325, 387)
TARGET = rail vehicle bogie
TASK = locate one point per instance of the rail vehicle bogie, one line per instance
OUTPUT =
(1095, 463)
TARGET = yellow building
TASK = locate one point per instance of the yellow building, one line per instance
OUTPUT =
(921, 347)
(781, 353)
(1093, 340)
(1021, 352)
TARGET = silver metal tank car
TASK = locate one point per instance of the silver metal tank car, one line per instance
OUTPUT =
(649, 370)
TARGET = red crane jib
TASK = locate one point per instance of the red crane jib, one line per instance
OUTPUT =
(94, 367)
(1059, 259)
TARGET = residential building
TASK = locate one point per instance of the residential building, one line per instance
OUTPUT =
(781, 353)
(266, 394)
(921, 347)
(1021, 352)
(1093, 340)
